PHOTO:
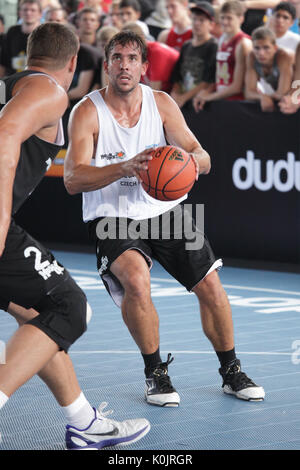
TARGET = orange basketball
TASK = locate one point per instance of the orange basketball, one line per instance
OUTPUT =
(171, 173)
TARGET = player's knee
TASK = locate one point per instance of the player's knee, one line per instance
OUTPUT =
(138, 284)
(63, 314)
(210, 290)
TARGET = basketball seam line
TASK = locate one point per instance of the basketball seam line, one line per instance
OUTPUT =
(174, 176)
(161, 165)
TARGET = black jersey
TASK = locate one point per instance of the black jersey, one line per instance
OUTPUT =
(35, 157)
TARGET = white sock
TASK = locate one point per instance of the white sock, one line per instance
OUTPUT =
(80, 413)
(3, 399)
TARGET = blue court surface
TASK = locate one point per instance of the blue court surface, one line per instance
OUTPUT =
(266, 313)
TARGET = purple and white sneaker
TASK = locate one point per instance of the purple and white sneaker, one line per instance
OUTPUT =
(104, 432)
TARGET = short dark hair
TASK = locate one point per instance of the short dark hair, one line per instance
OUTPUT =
(262, 32)
(130, 3)
(51, 45)
(288, 7)
(2, 19)
(124, 38)
(86, 10)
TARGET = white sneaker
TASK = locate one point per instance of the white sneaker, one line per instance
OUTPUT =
(159, 389)
(236, 382)
(104, 432)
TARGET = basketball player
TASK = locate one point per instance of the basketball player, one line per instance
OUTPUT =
(34, 287)
(233, 49)
(109, 131)
(269, 70)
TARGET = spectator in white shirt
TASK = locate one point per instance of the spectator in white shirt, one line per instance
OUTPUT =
(284, 15)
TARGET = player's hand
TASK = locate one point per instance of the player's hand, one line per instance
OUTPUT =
(287, 106)
(267, 104)
(138, 163)
(196, 165)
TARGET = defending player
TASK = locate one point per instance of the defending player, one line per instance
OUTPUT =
(34, 287)
(109, 131)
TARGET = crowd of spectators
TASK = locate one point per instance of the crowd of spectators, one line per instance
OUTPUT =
(198, 51)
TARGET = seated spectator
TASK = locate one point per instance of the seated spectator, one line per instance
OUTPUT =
(181, 29)
(13, 52)
(57, 15)
(269, 70)
(196, 67)
(290, 103)
(114, 15)
(284, 15)
(131, 11)
(233, 48)
(88, 22)
(104, 35)
(157, 76)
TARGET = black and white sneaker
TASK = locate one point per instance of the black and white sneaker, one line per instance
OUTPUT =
(236, 382)
(159, 389)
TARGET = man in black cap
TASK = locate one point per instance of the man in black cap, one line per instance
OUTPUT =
(196, 66)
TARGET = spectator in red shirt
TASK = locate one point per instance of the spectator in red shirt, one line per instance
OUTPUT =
(233, 49)
(161, 61)
(181, 29)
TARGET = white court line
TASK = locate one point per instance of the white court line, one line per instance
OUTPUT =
(260, 353)
(229, 286)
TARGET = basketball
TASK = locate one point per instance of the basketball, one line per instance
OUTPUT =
(171, 173)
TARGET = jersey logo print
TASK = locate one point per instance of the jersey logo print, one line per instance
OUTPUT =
(45, 269)
(104, 262)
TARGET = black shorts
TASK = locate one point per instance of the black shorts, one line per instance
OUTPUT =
(173, 239)
(31, 277)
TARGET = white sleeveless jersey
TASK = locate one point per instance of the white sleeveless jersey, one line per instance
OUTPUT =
(125, 197)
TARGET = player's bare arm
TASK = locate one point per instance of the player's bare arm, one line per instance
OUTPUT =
(285, 66)
(290, 103)
(22, 117)
(251, 79)
(178, 133)
(79, 175)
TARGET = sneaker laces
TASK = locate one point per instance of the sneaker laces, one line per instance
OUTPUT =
(237, 379)
(101, 414)
(160, 373)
